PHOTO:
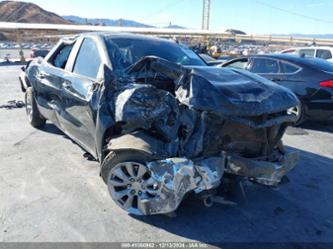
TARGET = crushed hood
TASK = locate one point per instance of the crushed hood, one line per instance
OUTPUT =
(232, 92)
(223, 91)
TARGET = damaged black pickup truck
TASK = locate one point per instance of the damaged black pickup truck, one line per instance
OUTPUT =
(160, 122)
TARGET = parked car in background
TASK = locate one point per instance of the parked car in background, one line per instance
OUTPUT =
(35, 52)
(159, 120)
(210, 61)
(310, 79)
(325, 53)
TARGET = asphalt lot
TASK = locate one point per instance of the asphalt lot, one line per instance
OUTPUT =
(50, 192)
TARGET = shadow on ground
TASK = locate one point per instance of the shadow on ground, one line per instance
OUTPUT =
(51, 128)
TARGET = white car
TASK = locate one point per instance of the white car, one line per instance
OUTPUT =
(325, 53)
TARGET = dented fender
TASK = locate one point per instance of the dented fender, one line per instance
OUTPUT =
(142, 142)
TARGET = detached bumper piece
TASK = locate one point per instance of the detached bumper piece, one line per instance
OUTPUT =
(264, 172)
(177, 176)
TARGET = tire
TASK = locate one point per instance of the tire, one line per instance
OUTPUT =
(300, 112)
(128, 179)
(115, 157)
(34, 117)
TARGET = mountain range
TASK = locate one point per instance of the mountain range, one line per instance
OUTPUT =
(105, 22)
(14, 11)
(113, 22)
(318, 36)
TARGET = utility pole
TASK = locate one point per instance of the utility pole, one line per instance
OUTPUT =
(19, 41)
(205, 14)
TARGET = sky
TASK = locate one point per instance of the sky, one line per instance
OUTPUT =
(251, 16)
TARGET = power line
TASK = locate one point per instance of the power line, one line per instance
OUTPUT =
(294, 13)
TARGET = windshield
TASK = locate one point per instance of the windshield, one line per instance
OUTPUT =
(124, 52)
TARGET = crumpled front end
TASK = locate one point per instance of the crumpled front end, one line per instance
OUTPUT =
(175, 177)
(213, 122)
(178, 176)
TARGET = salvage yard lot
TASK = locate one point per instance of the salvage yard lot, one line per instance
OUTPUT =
(50, 192)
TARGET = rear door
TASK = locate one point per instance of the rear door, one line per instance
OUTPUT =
(51, 76)
(291, 76)
(280, 72)
(80, 92)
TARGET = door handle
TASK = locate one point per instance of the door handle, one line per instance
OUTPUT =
(41, 75)
(275, 79)
(66, 85)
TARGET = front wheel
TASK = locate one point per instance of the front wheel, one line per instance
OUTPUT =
(129, 180)
(34, 117)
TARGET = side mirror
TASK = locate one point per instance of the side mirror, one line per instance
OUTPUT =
(23, 69)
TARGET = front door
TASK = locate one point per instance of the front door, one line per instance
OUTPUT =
(80, 93)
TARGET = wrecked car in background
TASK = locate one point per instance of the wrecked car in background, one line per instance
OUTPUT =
(160, 122)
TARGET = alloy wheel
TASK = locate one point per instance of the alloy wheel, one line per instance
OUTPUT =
(131, 185)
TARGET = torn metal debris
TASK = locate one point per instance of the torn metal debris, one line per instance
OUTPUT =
(13, 104)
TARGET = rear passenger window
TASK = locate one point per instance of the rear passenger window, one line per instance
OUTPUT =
(288, 68)
(324, 54)
(264, 66)
(60, 58)
(88, 60)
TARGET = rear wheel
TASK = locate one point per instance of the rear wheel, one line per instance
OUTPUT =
(34, 117)
(129, 180)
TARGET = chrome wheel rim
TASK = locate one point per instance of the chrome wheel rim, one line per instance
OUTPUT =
(296, 110)
(130, 185)
(28, 107)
